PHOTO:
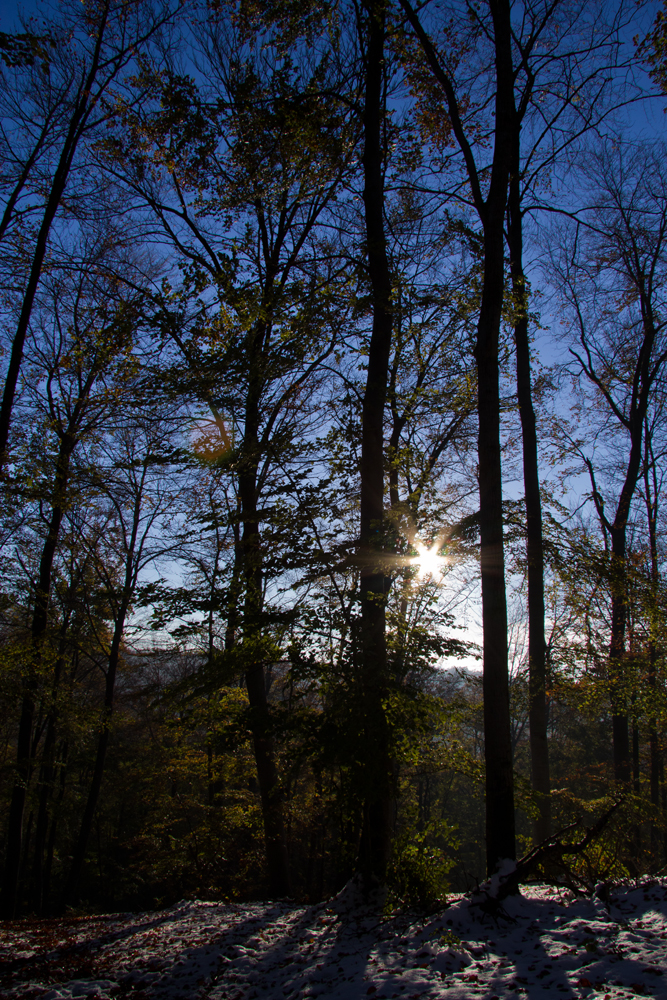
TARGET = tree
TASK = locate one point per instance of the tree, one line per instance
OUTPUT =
(613, 282)
(572, 62)
(376, 833)
(494, 24)
(563, 68)
(238, 177)
(653, 476)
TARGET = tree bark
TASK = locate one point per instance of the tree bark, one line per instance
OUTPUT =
(378, 778)
(619, 609)
(656, 764)
(537, 682)
(260, 718)
(500, 837)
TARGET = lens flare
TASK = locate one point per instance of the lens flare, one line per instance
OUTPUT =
(428, 561)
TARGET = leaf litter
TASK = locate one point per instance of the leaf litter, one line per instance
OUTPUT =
(547, 942)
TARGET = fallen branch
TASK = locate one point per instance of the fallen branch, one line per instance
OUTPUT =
(549, 854)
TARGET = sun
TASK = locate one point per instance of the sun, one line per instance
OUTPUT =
(428, 561)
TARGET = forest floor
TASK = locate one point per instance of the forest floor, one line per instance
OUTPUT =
(544, 943)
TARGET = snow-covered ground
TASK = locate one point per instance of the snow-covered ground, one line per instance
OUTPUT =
(544, 943)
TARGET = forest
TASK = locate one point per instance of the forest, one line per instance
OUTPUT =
(332, 448)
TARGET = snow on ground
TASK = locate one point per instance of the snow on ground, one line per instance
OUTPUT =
(545, 943)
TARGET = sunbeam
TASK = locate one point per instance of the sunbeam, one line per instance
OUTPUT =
(429, 561)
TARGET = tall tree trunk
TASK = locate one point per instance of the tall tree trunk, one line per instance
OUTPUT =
(655, 765)
(618, 531)
(234, 591)
(619, 607)
(636, 787)
(260, 717)
(378, 778)
(617, 678)
(500, 837)
(537, 679)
